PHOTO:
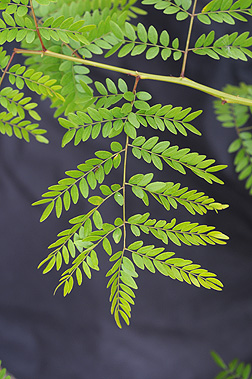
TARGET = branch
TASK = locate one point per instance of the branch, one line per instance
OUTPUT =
(225, 97)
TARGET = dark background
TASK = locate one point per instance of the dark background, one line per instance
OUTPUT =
(174, 326)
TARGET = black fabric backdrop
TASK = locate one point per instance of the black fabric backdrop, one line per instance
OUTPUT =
(174, 326)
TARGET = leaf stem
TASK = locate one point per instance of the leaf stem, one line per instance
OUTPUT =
(124, 172)
(182, 74)
(124, 191)
(225, 97)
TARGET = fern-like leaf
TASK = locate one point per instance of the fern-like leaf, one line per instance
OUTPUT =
(225, 11)
(185, 232)
(170, 195)
(180, 8)
(239, 117)
(233, 46)
(176, 158)
(143, 40)
(81, 180)
(21, 128)
(234, 369)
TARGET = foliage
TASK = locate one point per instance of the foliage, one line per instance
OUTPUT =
(239, 117)
(3, 373)
(233, 370)
(58, 39)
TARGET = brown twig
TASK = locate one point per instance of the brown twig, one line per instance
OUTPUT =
(138, 77)
(74, 52)
(37, 28)
(8, 65)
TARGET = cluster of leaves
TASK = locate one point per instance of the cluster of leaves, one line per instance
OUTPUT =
(128, 43)
(134, 113)
(20, 127)
(123, 273)
(21, 26)
(234, 369)
(81, 180)
(63, 29)
(170, 195)
(227, 11)
(176, 268)
(74, 78)
(34, 80)
(16, 24)
(14, 121)
(175, 119)
(228, 46)
(185, 232)
(81, 243)
(127, 40)
(37, 82)
(3, 372)
(107, 28)
(239, 117)
(153, 151)
(89, 9)
(15, 102)
(19, 7)
(98, 117)
(178, 7)
(110, 109)
(82, 239)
